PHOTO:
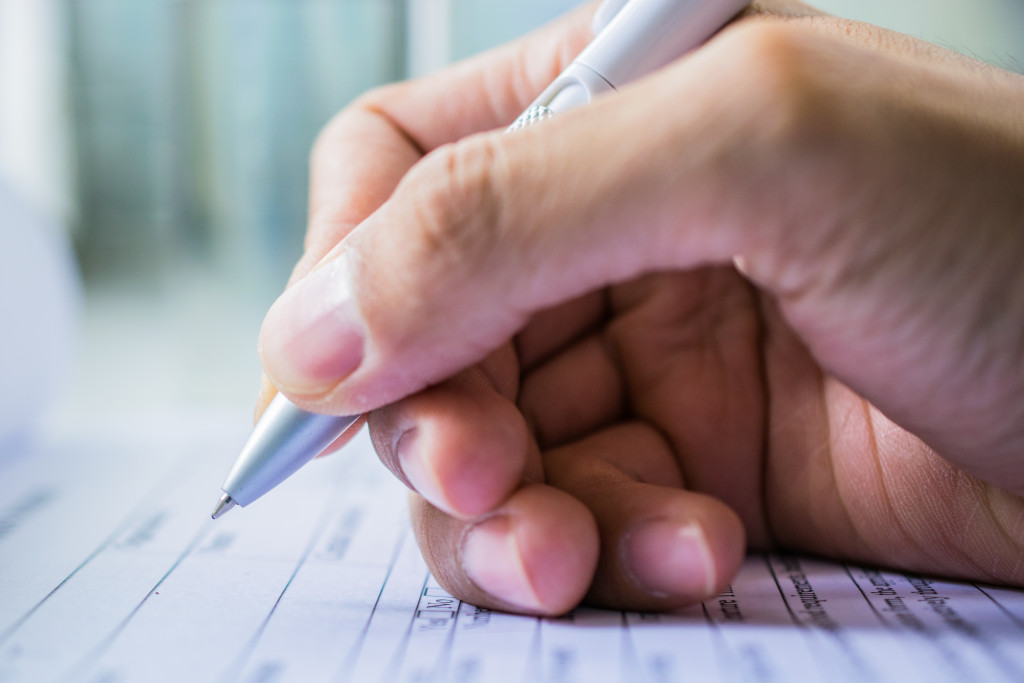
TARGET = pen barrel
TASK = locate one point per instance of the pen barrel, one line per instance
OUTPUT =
(285, 439)
(645, 35)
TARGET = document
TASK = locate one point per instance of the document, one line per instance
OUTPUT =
(111, 570)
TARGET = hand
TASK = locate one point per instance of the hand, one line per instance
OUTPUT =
(768, 296)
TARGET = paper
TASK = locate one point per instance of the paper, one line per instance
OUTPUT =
(111, 570)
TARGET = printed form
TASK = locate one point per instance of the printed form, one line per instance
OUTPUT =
(111, 570)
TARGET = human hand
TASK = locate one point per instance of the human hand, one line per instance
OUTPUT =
(591, 401)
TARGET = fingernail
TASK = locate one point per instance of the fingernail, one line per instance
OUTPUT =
(421, 476)
(491, 559)
(312, 337)
(670, 559)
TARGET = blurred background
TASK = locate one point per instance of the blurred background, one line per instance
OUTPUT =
(155, 152)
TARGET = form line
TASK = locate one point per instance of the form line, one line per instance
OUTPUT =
(126, 523)
(250, 647)
(345, 671)
(1013, 617)
(105, 644)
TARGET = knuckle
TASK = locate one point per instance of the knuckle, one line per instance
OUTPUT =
(373, 101)
(797, 104)
(459, 209)
(803, 137)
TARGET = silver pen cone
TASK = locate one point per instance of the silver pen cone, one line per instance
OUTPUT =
(225, 503)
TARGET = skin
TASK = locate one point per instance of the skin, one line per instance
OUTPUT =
(770, 296)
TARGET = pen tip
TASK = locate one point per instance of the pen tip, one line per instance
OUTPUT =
(225, 503)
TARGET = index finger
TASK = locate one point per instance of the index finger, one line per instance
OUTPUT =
(362, 154)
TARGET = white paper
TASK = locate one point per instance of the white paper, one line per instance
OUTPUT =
(111, 570)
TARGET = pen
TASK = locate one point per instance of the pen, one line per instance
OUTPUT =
(641, 36)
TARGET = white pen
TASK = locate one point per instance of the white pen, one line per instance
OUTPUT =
(637, 37)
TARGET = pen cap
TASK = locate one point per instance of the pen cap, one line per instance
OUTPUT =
(648, 34)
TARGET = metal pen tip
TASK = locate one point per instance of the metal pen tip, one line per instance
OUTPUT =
(225, 503)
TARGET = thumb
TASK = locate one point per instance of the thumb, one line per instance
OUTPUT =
(483, 233)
